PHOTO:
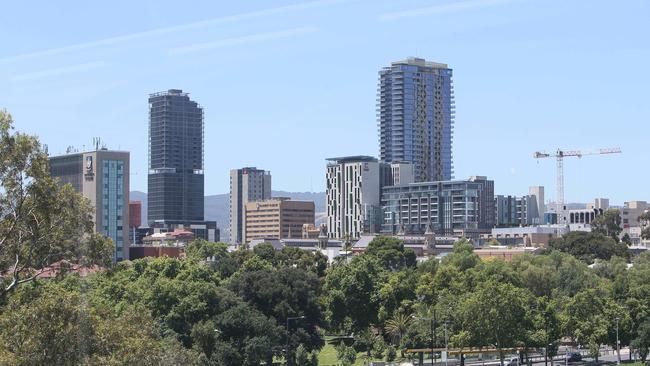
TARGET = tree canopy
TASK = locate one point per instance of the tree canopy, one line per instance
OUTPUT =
(41, 222)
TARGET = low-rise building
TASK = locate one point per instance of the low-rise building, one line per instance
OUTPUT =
(206, 230)
(631, 211)
(310, 231)
(516, 211)
(535, 236)
(278, 218)
(170, 244)
(331, 248)
(502, 252)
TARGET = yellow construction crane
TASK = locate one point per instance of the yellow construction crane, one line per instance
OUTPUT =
(560, 155)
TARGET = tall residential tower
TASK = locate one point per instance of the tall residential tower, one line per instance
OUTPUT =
(175, 157)
(415, 107)
(176, 181)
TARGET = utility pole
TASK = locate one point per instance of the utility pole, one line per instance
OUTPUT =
(446, 346)
(618, 345)
(286, 349)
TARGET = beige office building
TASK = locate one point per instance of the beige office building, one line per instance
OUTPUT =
(278, 218)
(102, 176)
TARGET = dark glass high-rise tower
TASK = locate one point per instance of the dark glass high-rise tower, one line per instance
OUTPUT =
(176, 183)
(415, 105)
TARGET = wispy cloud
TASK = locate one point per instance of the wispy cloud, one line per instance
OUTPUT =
(173, 29)
(452, 7)
(252, 38)
(59, 71)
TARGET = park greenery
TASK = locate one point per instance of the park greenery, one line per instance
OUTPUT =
(266, 306)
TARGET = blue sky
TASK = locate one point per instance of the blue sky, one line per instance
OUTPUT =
(286, 84)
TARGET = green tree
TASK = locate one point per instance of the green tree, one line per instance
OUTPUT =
(391, 253)
(351, 294)
(302, 356)
(391, 353)
(366, 341)
(282, 293)
(495, 314)
(346, 355)
(588, 246)
(397, 327)
(463, 256)
(200, 250)
(397, 294)
(608, 224)
(644, 220)
(41, 222)
(586, 319)
(642, 341)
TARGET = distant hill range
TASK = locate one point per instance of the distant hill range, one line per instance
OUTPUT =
(217, 206)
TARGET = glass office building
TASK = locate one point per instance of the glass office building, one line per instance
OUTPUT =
(176, 184)
(113, 204)
(415, 106)
(461, 207)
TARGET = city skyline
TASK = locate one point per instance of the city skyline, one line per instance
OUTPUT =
(56, 92)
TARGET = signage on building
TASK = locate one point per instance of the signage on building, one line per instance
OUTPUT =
(90, 169)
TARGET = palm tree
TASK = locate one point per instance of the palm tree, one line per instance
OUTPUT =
(397, 326)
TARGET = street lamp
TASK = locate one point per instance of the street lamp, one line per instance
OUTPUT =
(287, 353)
(433, 333)
(446, 346)
(618, 346)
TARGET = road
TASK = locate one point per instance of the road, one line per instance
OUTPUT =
(607, 357)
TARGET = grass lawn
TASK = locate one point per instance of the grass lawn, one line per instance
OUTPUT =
(327, 356)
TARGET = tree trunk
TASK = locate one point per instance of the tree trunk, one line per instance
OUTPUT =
(501, 356)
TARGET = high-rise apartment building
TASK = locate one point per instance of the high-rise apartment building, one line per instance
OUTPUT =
(459, 207)
(102, 176)
(416, 114)
(277, 218)
(246, 185)
(176, 184)
(353, 193)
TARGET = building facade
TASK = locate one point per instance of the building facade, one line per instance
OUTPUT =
(176, 181)
(538, 192)
(102, 176)
(246, 185)
(278, 218)
(460, 207)
(415, 115)
(631, 211)
(516, 211)
(353, 190)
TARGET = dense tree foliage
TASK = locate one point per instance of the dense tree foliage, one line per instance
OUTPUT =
(589, 246)
(41, 222)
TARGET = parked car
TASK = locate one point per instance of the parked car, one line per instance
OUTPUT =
(574, 357)
(513, 361)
